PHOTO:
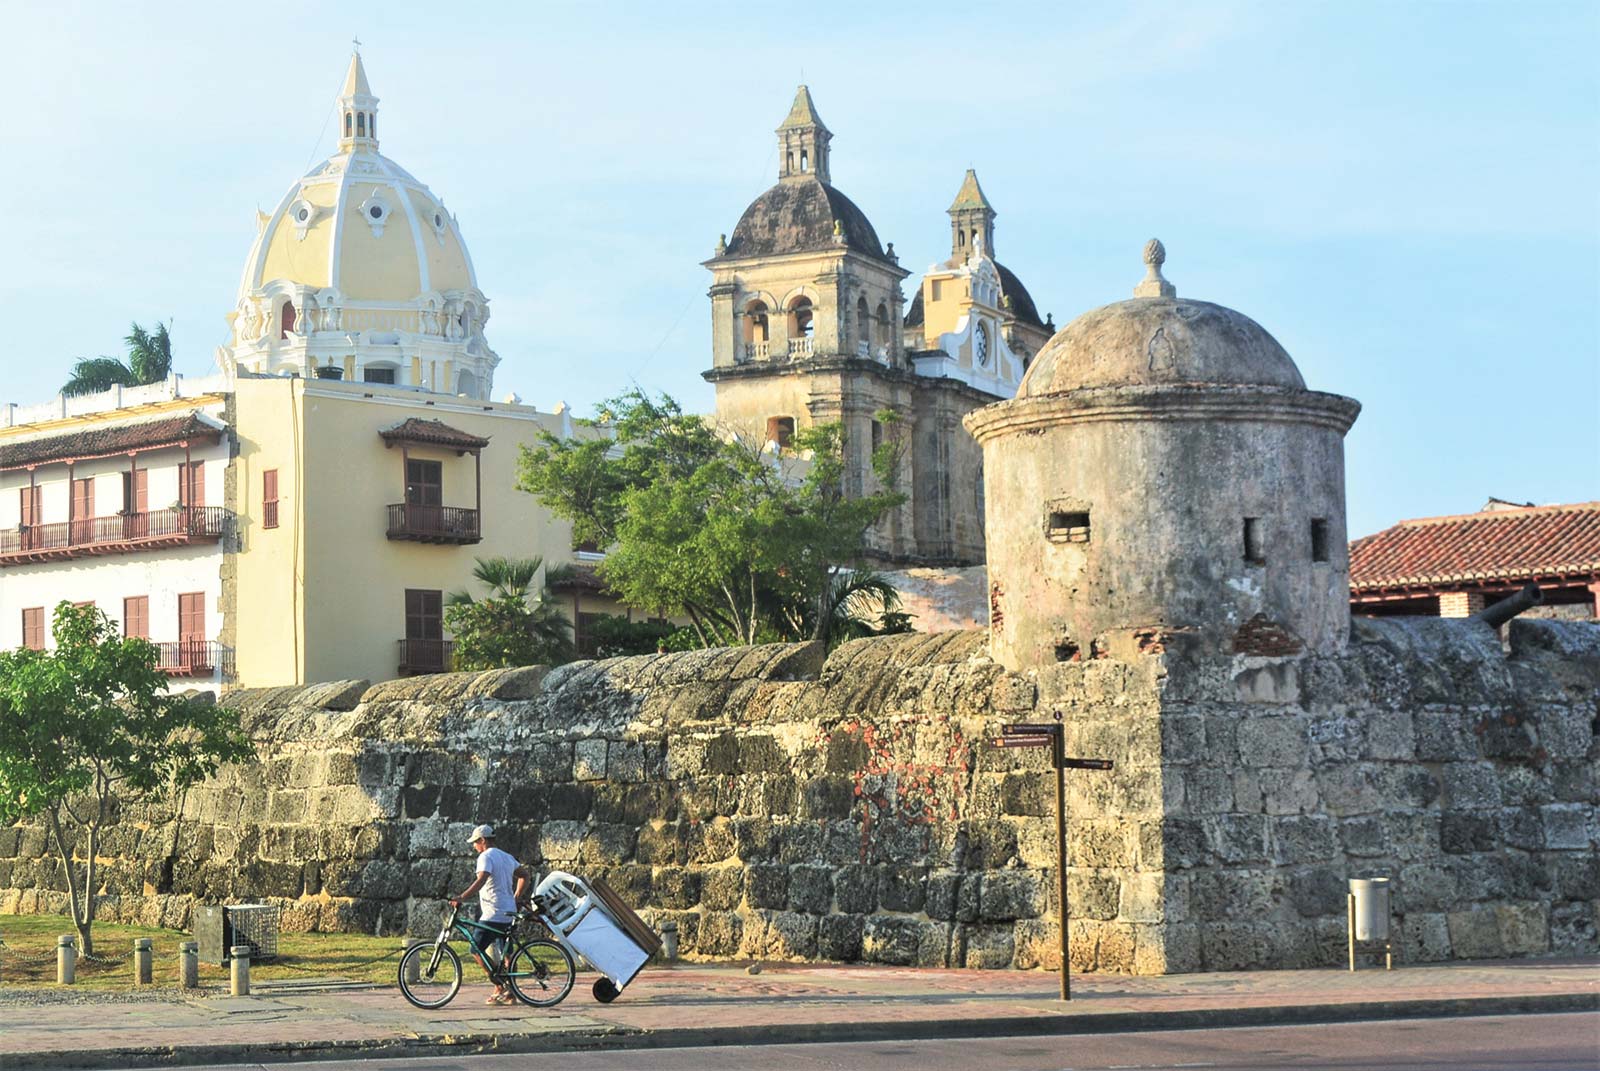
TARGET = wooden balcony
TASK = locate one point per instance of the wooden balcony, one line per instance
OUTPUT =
(194, 658)
(425, 656)
(123, 533)
(434, 524)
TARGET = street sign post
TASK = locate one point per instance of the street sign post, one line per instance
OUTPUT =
(1051, 735)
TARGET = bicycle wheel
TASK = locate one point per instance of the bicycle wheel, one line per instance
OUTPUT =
(430, 975)
(541, 973)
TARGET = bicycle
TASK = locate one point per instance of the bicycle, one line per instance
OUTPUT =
(539, 971)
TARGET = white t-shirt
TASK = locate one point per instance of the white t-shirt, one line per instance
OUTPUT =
(497, 901)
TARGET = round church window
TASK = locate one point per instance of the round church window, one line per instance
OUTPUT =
(376, 211)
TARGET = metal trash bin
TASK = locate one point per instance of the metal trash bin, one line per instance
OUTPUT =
(218, 928)
(594, 922)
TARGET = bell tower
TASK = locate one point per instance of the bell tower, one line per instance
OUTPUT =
(971, 220)
(358, 110)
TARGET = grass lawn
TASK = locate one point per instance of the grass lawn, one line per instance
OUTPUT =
(300, 955)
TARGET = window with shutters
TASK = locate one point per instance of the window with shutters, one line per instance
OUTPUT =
(33, 628)
(83, 499)
(192, 483)
(32, 501)
(136, 491)
(136, 617)
(192, 617)
(424, 483)
(269, 498)
(424, 614)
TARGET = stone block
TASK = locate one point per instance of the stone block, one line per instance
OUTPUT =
(1183, 740)
(710, 842)
(1569, 826)
(1524, 928)
(1012, 894)
(589, 760)
(902, 888)
(607, 844)
(903, 941)
(766, 886)
(1142, 899)
(828, 797)
(988, 947)
(722, 887)
(1094, 894)
(1465, 832)
(721, 933)
(1469, 786)
(1272, 741)
(1287, 791)
(1208, 790)
(1575, 877)
(1475, 934)
(1573, 930)
(1520, 827)
(839, 937)
(810, 889)
(1224, 895)
(1238, 838)
(1300, 839)
(1348, 789)
(1318, 891)
(790, 935)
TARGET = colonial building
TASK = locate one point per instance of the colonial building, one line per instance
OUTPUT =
(808, 327)
(303, 515)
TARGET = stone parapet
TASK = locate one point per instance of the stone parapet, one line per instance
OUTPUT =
(782, 802)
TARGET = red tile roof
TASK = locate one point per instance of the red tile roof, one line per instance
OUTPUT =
(1495, 545)
(432, 433)
(107, 441)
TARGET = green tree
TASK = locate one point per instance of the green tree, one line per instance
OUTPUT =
(88, 730)
(505, 628)
(744, 545)
(149, 361)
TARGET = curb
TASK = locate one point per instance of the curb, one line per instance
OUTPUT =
(623, 1038)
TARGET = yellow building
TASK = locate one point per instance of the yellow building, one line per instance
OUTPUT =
(303, 515)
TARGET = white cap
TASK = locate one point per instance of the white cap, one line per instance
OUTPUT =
(485, 832)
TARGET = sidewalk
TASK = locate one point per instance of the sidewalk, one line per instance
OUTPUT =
(703, 1005)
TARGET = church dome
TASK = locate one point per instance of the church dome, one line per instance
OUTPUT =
(361, 224)
(807, 216)
(1157, 338)
(360, 272)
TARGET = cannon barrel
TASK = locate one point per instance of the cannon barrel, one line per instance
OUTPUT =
(1504, 610)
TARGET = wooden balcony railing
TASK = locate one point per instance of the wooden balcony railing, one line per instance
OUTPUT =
(194, 658)
(433, 524)
(121, 533)
(425, 656)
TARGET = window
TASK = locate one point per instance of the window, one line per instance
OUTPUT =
(136, 491)
(863, 321)
(937, 289)
(349, 121)
(269, 498)
(372, 125)
(377, 375)
(800, 317)
(32, 502)
(136, 617)
(82, 499)
(424, 483)
(755, 322)
(192, 617)
(424, 615)
(780, 429)
(884, 337)
(1319, 539)
(286, 320)
(192, 484)
(361, 124)
(877, 435)
(805, 161)
(33, 628)
(330, 371)
(1254, 546)
(1067, 526)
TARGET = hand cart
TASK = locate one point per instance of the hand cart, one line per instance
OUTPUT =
(590, 919)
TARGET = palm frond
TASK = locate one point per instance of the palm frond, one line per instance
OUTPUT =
(94, 374)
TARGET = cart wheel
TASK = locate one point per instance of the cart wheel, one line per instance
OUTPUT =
(605, 990)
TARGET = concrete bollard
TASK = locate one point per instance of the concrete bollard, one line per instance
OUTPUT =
(142, 955)
(66, 959)
(239, 956)
(189, 964)
(669, 940)
(413, 965)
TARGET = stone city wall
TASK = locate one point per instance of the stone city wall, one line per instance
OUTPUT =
(780, 804)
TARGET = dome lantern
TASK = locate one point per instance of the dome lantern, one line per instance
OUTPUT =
(803, 141)
(358, 110)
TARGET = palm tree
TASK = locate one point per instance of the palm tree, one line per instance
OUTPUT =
(857, 603)
(149, 361)
(512, 578)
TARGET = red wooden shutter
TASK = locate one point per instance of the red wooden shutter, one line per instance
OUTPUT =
(192, 484)
(82, 509)
(32, 504)
(33, 628)
(192, 617)
(269, 498)
(136, 617)
(141, 491)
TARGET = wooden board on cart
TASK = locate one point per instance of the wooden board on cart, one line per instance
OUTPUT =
(632, 924)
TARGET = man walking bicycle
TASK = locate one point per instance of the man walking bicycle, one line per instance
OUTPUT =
(500, 877)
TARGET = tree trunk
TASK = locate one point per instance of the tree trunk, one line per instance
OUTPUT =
(64, 853)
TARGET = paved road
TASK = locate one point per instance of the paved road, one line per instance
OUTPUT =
(1491, 1043)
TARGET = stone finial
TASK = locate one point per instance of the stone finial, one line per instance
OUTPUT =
(1154, 284)
(838, 232)
(722, 244)
(890, 253)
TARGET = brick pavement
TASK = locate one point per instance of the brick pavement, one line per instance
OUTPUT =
(707, 1005)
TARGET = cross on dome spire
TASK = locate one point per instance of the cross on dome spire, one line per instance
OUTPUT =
(358, 108)
(803, 141)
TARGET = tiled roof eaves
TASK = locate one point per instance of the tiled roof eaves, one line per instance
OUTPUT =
(93, 443)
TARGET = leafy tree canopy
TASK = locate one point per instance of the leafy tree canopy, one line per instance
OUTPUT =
(748, 547)
(149, 361)
(89, 727)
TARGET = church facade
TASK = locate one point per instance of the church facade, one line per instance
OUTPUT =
(809, 326)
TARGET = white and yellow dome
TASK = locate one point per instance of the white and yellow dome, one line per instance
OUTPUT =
(361, 273)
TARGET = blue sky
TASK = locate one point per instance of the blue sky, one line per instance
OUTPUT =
(1405, 195)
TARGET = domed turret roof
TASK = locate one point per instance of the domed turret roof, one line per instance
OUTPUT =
(807, 216)
(1158, 338)
(359, 223)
